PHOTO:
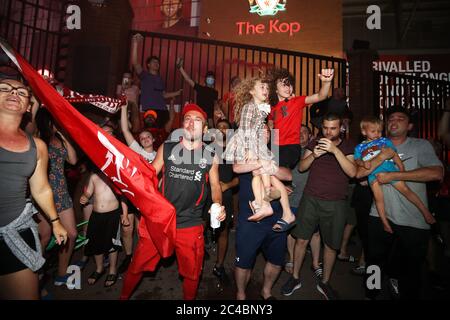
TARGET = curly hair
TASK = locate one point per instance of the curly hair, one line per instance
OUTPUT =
(243, 95)
(278, 75)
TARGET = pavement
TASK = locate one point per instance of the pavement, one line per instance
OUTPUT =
(165, 283)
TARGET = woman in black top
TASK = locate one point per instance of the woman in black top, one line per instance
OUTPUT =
(23, 160)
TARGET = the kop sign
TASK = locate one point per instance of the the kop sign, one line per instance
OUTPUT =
(267, 8)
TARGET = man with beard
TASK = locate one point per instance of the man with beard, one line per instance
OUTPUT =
(188, 165)
(331, 165)
(411, 232)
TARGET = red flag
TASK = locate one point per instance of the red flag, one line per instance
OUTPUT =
(129, 172)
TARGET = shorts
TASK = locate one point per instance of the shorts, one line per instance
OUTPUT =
(9, 262)
(251, 237)
(329, 215)
(103, 233)
(132, 209)
(289, 155)
(295, 212)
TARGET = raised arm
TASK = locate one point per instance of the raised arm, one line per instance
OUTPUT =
(42, 192)
(134, 117)
(31, 126)
(134, 53)
(186, 77)
(71, 153)
(326, 77)
(124, 125)
(168, 125)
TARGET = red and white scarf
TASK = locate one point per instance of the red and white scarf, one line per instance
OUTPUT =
(108, 104)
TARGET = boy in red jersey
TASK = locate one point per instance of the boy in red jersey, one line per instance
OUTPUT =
(287, 112)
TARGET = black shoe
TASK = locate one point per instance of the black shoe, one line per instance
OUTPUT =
(220, 273)
(327, 291)
(290, 286)
(124, 265)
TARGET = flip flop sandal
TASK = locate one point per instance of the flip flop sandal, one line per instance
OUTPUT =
(284, 226)
(110, 278)
(95, 275)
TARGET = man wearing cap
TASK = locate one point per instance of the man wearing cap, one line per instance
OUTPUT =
(411, 232)
(159, 134)
(187, 165)
(206, 95)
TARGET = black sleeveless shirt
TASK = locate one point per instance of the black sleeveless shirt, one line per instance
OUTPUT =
(185, 175)
(15, 170)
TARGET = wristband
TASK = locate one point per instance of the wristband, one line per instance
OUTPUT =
(53, 220)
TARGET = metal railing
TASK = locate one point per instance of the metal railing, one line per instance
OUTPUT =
(231, 59)
(423, 97)
(33, 28)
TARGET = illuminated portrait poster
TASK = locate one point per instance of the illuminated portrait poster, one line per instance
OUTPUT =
(178, 17)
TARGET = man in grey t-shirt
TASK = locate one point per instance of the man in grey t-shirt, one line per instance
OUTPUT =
(411, 232)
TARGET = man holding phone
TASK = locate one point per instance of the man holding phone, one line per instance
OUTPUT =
(329, 160)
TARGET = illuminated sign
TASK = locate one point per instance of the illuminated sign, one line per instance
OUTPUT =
(274, 26)
(267, 7)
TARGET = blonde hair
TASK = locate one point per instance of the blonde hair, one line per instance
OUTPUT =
(370, 120)
(243, 95)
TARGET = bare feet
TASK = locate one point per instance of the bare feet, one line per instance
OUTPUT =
(261, 213)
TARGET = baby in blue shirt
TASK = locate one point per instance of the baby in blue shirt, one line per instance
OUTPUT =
(371, 128)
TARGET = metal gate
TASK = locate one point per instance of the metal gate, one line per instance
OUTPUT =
(423, 97)
(230, 59)
(33, 28)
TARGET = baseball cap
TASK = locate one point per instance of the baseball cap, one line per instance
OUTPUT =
(194, 107)
(151, 113)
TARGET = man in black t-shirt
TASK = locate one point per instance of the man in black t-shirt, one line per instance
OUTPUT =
(206, 95)
(186, 167)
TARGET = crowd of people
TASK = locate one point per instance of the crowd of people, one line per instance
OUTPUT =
(295, 190)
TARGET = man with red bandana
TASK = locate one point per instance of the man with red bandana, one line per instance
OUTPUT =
(188, 164)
